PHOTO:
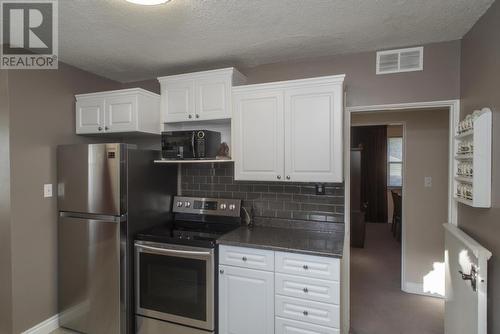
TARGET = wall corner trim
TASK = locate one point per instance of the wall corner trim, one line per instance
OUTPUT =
(45, 327)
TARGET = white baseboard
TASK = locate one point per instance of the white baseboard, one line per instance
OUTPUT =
(44, 327)
(418, 289)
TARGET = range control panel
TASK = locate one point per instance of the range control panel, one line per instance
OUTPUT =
(207, 206)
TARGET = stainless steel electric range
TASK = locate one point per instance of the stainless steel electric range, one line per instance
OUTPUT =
(175, 281)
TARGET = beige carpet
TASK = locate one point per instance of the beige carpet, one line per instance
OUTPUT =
(378, 306)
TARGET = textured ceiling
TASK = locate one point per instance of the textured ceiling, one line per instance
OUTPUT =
(127, 42)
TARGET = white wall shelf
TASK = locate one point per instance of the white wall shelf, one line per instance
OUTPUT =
(476, 165)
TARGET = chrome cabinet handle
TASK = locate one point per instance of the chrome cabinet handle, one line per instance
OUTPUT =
(221, 271)
(305, 313)
(306, 290)
(288, 177)
(278, 177)
(190, 116)
(305, 266)
(244, 258)
(99, 128)
(106, 128)
(171, 251)
(197, 116)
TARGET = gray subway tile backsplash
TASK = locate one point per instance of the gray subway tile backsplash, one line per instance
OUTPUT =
(269, 200)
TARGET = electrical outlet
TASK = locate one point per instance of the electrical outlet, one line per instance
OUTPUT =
(320, 189)
(47, 190)
(428, 181)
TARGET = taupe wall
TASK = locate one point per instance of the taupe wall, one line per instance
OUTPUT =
(438, 81)
(426, 209)
(5, 245)
(42, 116)
(480, 88)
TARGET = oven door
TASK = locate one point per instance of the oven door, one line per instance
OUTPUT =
(175, 283)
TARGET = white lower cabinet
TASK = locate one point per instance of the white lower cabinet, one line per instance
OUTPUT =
(287, 326)
(308, 311)
(246, 301)
(326, 291)
(289, 294)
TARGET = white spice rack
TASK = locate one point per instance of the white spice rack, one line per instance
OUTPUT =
(478, 159)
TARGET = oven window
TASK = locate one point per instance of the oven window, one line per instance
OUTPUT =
(173, 285)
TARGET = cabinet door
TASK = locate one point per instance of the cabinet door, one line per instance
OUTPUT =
(178, 103)
(213, 98)
(258, 135)
(90, 115)
(313, 134)
(287, 326)
(246, 301)
(121, 113)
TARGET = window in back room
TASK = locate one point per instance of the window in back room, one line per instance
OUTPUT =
(395, 162)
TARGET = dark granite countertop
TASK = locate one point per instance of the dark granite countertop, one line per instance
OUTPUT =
(310, 242)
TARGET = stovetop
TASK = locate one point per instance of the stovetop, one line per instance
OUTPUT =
(187, 233)
(198, 222)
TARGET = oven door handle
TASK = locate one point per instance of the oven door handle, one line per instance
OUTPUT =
(172, 251)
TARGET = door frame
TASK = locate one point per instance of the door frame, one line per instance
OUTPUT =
(454, 115)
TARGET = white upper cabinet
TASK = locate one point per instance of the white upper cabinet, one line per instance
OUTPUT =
(126, 110)
(313, 133)
(89, 114)
(198, 96)
(258, 134)
(289, 131)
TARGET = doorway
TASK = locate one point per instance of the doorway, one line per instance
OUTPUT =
(397, 276)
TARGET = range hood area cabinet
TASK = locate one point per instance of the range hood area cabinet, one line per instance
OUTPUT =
(198, 96)
(289, 131)
(118, 111)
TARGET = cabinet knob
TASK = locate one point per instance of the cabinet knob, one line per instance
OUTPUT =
(306, 290)
(190, 116)
(278, 177)
(197, 116)
(106, 128)
(288, 177)
(99, 128)
(244, 258)
(305, 313)
(305, 266)
(221, 271)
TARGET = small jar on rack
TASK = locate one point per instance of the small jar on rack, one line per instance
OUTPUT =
(465, 168)
(465, 147)
(464, 190)
(467, 124)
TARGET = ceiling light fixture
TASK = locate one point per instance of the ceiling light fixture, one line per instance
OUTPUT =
(148, 2)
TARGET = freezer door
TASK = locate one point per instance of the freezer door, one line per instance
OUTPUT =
(91, 178)
(89, 275)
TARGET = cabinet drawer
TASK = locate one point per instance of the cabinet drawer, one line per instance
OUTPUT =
(247, 257)
(308, 311)
(326, 291)
(287, 326)
(308, 265)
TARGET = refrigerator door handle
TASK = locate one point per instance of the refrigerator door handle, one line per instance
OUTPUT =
(112, 219)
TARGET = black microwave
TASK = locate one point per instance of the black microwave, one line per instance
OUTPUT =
(190, 144)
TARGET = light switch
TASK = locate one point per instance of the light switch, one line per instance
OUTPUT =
(428, 181)
(47, 190)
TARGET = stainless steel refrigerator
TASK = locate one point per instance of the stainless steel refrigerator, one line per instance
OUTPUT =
(106, 193)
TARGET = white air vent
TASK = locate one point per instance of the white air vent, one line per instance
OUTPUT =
(401, 60)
